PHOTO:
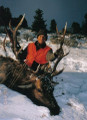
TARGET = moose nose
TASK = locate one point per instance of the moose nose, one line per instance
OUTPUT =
(55, 111)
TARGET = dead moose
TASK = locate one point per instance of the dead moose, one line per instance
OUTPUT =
(18, 76)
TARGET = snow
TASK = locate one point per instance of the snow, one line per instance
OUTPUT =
(70, 93)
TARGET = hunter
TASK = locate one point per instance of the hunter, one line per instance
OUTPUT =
(38, 53)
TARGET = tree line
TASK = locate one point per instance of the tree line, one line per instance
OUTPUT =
(39, 22)
(6, 16)
(76, 28)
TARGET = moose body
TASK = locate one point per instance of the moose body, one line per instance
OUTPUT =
(38, 88)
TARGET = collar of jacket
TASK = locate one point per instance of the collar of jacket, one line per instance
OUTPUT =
(38, 46)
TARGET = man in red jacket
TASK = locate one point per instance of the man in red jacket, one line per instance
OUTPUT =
(38, 52)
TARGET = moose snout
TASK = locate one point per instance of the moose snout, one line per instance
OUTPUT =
(54, 110)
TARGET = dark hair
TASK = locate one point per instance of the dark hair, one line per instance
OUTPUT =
(42, 32)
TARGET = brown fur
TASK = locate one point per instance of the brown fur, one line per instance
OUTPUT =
(13, 74)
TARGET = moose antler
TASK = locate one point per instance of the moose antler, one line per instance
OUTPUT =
(61, 55)
(13, 39)
(4, 44)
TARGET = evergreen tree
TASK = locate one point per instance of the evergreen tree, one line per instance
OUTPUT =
(84, 25)
(15, 21)
(24, 24)
(53, 26)
(5, 16)
(76, 27)
(39, 22)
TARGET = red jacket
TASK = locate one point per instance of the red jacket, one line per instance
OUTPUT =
(38, 56)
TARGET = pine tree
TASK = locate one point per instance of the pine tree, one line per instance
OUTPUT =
(24, 24)
(5, 16)
(15, 21)
(39, 22)
(76, 27)
(84, 25)
(53, 26)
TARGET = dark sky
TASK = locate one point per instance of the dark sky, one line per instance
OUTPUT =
(60, 10)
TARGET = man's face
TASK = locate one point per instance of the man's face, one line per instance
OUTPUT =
(41, 39)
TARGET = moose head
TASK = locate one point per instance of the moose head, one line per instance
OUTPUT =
(39, 88)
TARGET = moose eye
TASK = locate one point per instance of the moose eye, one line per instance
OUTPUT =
(39, 90)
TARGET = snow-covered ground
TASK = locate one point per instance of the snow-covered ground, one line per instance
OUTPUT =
(70, 93)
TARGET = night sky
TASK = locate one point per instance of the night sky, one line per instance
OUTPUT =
(60, 10)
